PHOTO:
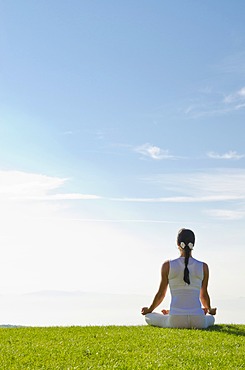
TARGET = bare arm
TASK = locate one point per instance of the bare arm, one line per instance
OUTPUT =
(204, 296)
(161, 291)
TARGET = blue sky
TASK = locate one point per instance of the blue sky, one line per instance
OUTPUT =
(120, 122)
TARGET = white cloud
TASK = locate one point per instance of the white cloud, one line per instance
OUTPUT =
(22, 184)
(226, 214)
(229, 98)
(177, 199)
(210, 186)
(216, 104)
(229, 155)
(69, 132)
(153, 152)
(17, 185)
(188, 188)
(200, 187)
(104, 220)
(236, 97)
(190, 109)
(73, 196)
(240, 106)
(242, 92)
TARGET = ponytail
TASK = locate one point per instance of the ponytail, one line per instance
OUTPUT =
(186, 240)
(186, 270)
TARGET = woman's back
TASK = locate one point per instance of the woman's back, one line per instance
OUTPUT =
(185, 297)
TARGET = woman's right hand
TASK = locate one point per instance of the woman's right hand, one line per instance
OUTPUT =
(145, 311)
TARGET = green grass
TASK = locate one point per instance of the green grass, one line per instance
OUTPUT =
(122, 347)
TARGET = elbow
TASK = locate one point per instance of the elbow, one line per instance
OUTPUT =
(204, 296)
(160, 296)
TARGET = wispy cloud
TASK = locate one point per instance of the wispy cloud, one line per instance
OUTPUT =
(153, 152)
(226, 214)
(236, 98)
(178, 199)
(21, 186)
(207, 108)
(229, 155)
(207, 186)
(73, 196)
(104, 220)
(65, 196)
(67, 132)
(215, 103)
(200, 187)
(233, 64)
(17, 183)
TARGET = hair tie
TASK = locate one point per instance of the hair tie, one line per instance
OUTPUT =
(183, 245)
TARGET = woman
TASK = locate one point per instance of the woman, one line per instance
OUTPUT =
(188, 282)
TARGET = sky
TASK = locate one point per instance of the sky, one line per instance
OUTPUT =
(120, 123)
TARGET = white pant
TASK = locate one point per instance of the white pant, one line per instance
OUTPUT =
(179, 321)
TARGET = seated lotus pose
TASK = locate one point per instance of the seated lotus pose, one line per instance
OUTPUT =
(188, 282)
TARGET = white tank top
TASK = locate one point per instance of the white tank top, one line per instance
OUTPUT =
(185, 299)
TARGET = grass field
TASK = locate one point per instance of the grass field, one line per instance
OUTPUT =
(122, 347)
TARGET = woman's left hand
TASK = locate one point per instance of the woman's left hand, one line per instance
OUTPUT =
(211, 311)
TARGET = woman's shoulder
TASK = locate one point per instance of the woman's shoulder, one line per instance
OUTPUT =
(202, 265)
(176, 259)
(165, 267)
(196, 260)
(166, 264)
(174, 263)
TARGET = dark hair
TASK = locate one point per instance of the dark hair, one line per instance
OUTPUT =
(186, 236)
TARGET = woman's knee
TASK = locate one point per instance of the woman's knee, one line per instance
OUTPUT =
(157, 319)
(209, 320)
(202, 322)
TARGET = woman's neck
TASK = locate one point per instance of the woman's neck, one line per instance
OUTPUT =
(182, 254)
